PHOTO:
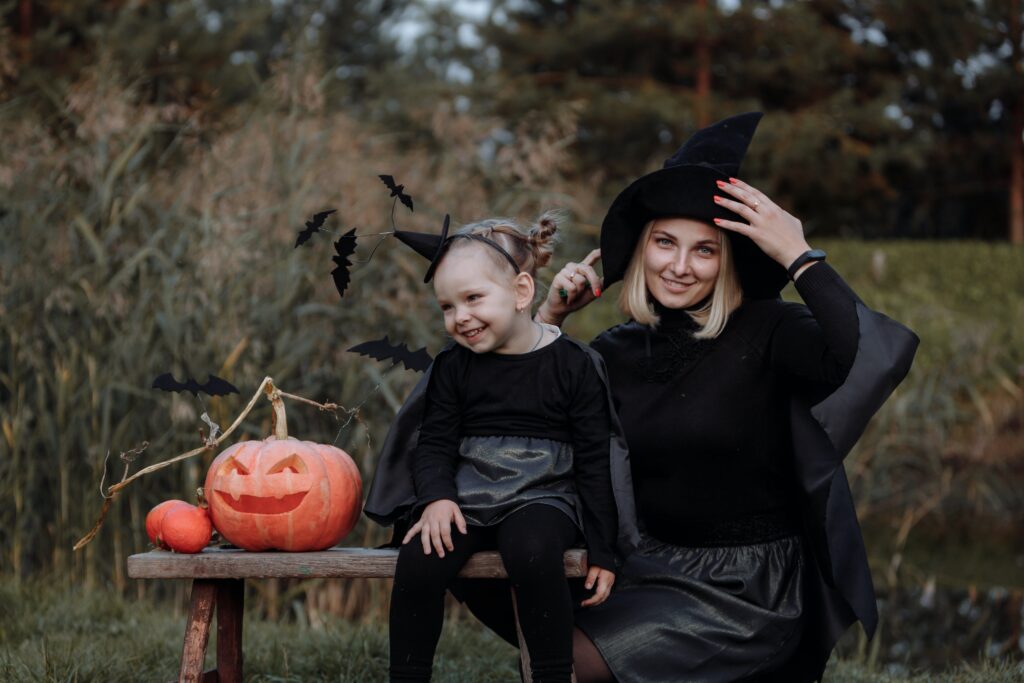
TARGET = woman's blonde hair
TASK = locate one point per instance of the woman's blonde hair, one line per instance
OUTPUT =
(635, 299)
(531, 248)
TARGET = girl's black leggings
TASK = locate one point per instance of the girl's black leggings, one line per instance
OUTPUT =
(531, 542)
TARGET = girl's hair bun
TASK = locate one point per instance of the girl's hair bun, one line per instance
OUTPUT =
(542, 236)
(531, 249)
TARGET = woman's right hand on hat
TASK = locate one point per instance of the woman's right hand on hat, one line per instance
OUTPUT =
(435, 526)
(572, 288)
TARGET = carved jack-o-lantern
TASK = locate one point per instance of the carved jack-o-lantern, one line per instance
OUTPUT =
(283, 494)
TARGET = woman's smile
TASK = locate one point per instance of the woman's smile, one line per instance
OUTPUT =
(676, 285)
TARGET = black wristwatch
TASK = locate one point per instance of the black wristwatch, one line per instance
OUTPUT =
(806, 257)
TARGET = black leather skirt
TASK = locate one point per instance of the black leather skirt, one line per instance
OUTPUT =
(497, 475)
(721, 613)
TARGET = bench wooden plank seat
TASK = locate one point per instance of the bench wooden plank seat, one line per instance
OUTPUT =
(336, 563)
(218, 585)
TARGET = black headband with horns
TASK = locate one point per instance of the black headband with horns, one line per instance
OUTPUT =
(434, 247)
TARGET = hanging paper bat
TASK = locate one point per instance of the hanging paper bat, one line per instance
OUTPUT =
(312, 226)
(397, 190)
(383, 349)
(215, 386)
(345, 247)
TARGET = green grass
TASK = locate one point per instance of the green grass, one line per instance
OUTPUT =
(50, 635)
(53, 636)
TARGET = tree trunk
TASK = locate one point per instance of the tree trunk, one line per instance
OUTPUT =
(703, 54)
(1016, 133)
(24, 30)
(25, 18)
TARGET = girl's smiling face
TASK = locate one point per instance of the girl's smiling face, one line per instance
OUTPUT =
(681, 261)
(479, 301)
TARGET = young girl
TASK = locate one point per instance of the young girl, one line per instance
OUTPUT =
(513, 451)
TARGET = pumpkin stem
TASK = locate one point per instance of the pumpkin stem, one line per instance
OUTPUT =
(278, 420)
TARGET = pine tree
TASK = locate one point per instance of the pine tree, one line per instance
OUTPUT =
(960, 98)
(647, 74)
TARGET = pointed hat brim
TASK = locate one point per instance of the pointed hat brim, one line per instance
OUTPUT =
(427, 245)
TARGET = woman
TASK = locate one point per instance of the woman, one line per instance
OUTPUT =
(737, 409)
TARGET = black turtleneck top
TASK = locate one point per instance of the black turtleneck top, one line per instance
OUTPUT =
(707, 421)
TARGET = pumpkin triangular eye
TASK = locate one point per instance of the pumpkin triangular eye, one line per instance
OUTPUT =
(293, 463)
(232, 466)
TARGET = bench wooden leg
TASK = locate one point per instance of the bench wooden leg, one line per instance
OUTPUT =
(230, 603)
(524, 653)
(197, 632)
(226, 596)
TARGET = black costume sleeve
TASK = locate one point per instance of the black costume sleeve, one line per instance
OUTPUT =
(437, 449)
(591, 424)
(818, 343)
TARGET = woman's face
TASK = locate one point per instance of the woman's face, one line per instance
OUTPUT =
(681, 261)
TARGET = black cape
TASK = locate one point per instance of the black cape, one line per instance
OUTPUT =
(392, 495)
(823, 433)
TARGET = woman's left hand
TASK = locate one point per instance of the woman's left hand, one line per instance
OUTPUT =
(774, 230)
(601, 581)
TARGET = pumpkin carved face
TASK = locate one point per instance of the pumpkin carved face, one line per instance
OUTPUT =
(283, 494)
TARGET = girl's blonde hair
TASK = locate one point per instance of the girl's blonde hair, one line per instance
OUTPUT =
(635, 299)
(531, 248)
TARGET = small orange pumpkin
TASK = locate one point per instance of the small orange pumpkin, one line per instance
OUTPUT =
(284, 494)
(154, 521)
(186, 528)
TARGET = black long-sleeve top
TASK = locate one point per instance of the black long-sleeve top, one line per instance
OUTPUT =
(551, 393)
(707, 421)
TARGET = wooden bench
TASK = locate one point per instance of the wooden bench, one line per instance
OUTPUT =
(218, 582)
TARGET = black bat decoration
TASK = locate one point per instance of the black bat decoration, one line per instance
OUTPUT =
(383, 349)
(345, 247)
(312, 226)
(215, 386)
(397, 190)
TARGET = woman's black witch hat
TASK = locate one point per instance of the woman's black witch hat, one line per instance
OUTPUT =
(684, 187)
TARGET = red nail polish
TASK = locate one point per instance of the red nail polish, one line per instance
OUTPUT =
(717, 220)
(720, 183)
(717, 198)
(733, 181)
(597, 291)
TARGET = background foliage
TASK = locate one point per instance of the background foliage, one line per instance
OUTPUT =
(159, 158)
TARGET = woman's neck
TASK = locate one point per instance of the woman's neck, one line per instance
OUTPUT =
(688, 318)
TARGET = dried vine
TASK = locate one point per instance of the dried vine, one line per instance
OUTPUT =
(266, 389)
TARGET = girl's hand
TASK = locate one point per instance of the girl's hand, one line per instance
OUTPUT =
(775, 231)
(572, 288)
(604, 580)
(435, 526)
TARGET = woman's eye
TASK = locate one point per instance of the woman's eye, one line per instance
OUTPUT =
(445, 308)
(472, 297)
(664, 242)
(707, 251)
